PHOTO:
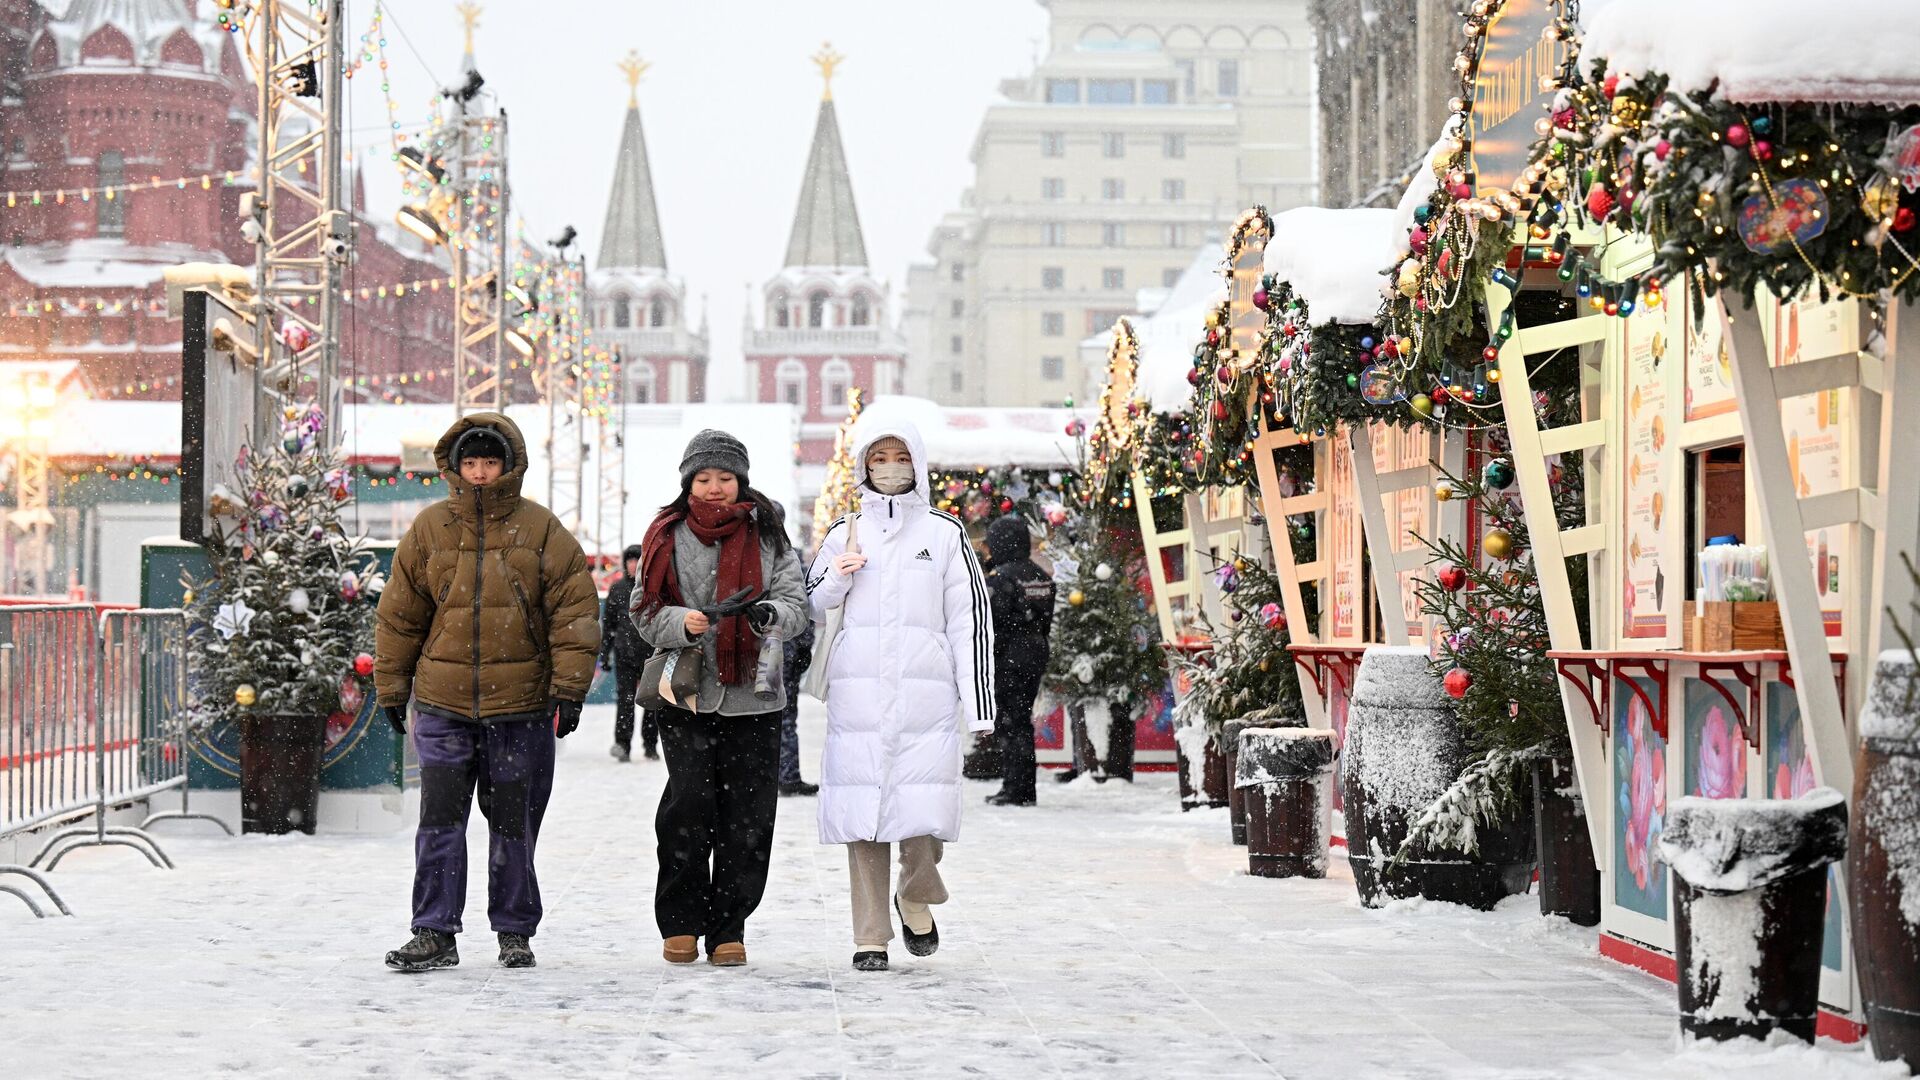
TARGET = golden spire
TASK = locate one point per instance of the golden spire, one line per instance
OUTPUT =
(635, 69)
(827, 60)
(470, 18)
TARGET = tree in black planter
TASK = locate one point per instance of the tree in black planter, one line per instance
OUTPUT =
(283, 623)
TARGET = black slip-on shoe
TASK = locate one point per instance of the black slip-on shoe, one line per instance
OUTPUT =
(918, 944)
(870, 960)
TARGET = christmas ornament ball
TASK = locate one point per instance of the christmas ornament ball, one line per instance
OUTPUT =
(1451, 578)
(1498, 474)
(1422, 406)
(299, 602)
(1443, 492)
(363, 665)
(1498, 543)
(297, 487)
(1076, 598)
(1458, 682)
(291, 442)
(1103, 572)
(244, 695)
(186, 597)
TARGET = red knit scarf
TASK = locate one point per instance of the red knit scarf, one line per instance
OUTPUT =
(730, 525)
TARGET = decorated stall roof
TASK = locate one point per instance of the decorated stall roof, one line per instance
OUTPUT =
(1167, 337)
(1764, 50)
(1335, 260)
(970, 437)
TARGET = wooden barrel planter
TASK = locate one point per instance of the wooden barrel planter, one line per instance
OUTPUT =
(1285, 775)
(1569, 877)
(1404, 748)
(1883, 874)
(280, 772)
(1236, 801)
(1203, 781)
(1750, 904)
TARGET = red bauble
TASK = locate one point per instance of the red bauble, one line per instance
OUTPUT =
(1662, 148)
(1213, 337)
(1599, 203)
(1225, 375)
(363, 665)
(1902, 219)
(1220, 410)
(1451, 578)
(1260, 299)
(1611, 86)
(1438, 394)
(1762, 150)
(1193, 377)
(1458, 682)
(1737, 135)
(1006, 505)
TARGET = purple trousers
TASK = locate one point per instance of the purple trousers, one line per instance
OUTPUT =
(511, 764)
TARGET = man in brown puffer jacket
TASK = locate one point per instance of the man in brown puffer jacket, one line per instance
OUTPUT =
(490, 622)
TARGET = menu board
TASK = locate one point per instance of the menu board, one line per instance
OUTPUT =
(1709, 369)
(1341, 536)
(1816, 429)
(1652, 576)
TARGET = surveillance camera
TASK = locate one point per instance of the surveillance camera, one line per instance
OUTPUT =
(251, 204)
(251, 231)
(336, 247)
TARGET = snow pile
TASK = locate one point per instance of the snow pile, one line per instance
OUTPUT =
(1723, 956)
(1271, 755)
(1403, 742)
(1733, 845)
(1421, 188)
(1764, 50)
(1193, 740)
(1336, 260)
(1167, 336)
(1893, 699)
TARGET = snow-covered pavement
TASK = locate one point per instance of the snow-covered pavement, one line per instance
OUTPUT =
(1103, 933)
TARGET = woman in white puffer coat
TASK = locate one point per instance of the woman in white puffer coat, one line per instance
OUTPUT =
(910, 671)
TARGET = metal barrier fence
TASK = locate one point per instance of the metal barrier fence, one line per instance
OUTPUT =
(91, 715)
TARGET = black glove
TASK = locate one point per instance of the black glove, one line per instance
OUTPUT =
(397, 716)
(569, 716)
(762, 616)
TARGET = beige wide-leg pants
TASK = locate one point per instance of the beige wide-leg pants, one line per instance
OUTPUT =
(920, 885)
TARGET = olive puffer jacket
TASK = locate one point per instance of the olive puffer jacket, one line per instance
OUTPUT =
(490, 609)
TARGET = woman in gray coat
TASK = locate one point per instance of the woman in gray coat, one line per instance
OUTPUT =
(716, 572)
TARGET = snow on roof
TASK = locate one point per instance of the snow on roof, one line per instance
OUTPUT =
(1764, 50)
(1420, 188)
(972, 437)
(1336, 260)
(1166, 337)
(100, 262)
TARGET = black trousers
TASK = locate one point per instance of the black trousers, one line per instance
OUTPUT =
(1014, 725)
(626, 680)
(715, 823)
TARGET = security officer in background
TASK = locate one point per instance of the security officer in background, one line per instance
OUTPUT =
(1021, 594)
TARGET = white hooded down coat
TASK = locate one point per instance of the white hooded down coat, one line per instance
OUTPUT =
(912, 667)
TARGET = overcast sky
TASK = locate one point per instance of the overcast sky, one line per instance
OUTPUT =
(729, 108)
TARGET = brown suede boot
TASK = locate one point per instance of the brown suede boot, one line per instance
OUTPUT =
(683, 949)
(728, 954)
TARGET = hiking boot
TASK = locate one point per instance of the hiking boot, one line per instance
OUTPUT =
(620, 753)
(1003, 798)
(515, 951)
(870, 960)
(799, 787)
(428, 950)
(918, 944)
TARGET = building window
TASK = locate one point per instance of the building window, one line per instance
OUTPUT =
(1053, 277)
(1099, 322)
(111, 213)
(1187, 81)
(1109, 91)
(1173, 145)
(1053, 144)
(657, 312)
(1229, 82)
(1173, 190)
(1113, 234)
(1176, 235)
(641, 384)
(781, 309)
(817, 308)
(956, 272)
(1052, 188)
(1113, 144)
(1170, 276)
(955, 380)
(622, 313)
(1053, 323)
(790, 384)
(1113, 277)
(1156, 92)
(1113, 189)
(1053, 368)
(1063, 91)
(1053, 234)
(955, 346)
(862, 310)
(957, 308)
(835, 378)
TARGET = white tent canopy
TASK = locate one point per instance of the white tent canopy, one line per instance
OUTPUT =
(974, 437)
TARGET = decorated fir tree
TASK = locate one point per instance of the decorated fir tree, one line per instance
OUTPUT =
(1248, 673)
(1103, 659)
(838, 492)
(283, 623)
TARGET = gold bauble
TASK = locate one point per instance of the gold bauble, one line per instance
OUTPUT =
(186, 597)
(1409, 280)
(1498, 543)
(1076, 598)
(1266, 664)
(244, 695)
(1880, 197)
(1443, 492)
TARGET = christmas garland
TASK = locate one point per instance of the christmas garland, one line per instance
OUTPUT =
(1331, 374)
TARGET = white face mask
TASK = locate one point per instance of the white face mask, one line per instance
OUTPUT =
(891, 478)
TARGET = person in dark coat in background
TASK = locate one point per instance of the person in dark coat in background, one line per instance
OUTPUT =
(797, 656)
(624, 652)
(1021, 595)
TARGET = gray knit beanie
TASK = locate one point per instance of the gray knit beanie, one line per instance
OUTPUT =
(713, 449)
